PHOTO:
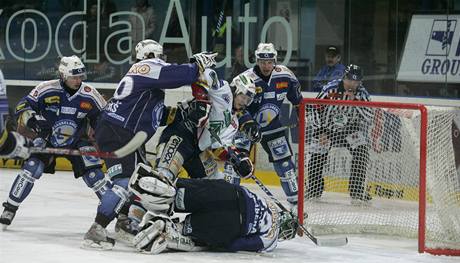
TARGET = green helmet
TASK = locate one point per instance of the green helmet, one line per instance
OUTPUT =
(288, 225)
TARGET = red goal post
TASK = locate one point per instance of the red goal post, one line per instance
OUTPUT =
(394, 192)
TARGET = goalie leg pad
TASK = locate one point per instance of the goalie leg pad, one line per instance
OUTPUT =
(288, 179)
(24, 182)
(152, 238)
(156, 192)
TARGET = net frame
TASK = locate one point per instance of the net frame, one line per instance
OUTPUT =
(422, 194)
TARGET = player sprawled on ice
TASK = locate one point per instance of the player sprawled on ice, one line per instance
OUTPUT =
(274, 83)
(341, 126)
(131, 118)
(221, 216)
(56, 113)
(190, 141)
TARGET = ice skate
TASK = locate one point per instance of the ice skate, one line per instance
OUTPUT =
(97, 238)
(125, 229)
(8, 214)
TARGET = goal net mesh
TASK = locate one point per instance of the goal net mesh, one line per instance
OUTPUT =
(362, 172)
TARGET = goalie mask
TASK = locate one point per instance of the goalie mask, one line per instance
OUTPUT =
(71, 67)
(149, 48)
(266, 51)
(288, 226)
(243, 84)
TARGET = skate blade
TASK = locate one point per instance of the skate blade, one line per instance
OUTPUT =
(90, 244)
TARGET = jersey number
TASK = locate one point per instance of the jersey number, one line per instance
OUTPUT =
(124, 88)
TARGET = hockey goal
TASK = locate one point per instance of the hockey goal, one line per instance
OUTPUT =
(393, 172)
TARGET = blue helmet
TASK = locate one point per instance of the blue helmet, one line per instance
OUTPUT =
(353, 72)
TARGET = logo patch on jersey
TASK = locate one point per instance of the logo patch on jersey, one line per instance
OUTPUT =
(259, 89)
(81, 115)
(226, 97)
(68, 110)
(282, 85)
(139, 69)
(35, 94)
(85, 105)
(87, 89)
(281, 96)
(277, 69)
(52, 100)
(269, 95)
(266, 114)
(63, 132)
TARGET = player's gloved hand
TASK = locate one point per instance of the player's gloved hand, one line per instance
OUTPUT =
(198, 112)
(39, 125)
(242, 164)
(14, 145)
(204, 60)
(156, 192)
(252, 131)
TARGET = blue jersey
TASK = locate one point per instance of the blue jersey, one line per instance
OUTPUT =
(65, 113)
(261, 226)
(327, 74)
(266, 106)
(138, 102)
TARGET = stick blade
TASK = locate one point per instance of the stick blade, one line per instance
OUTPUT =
(331, 242)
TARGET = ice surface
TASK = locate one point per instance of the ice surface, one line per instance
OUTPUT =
(50, 225)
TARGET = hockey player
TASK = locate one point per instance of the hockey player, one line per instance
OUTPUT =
(341, 127)
(221, 216)
(3, 102)
(57, 113)
(131, 117)
(190, 141)
(274, 83)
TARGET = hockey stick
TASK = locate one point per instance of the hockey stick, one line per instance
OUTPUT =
(138, 139)
(327, 242)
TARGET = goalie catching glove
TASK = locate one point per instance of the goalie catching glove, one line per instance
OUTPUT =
(156, 192)
(159, 233)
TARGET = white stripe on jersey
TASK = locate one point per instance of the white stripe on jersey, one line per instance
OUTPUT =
(325, 115)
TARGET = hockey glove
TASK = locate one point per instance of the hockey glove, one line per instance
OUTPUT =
(242, 164)
(204, 60)
(14, 145)
(39, 125)
(252, 131)
(198, 112)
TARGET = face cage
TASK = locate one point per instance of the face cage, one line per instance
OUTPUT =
(288, 230)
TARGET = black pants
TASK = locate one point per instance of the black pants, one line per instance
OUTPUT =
(217, 208)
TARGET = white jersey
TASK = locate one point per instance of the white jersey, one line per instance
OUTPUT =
(221, 120)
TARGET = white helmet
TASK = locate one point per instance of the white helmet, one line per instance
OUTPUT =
(71, 66)
(148, 46)
(244, 84)
(266, 51)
